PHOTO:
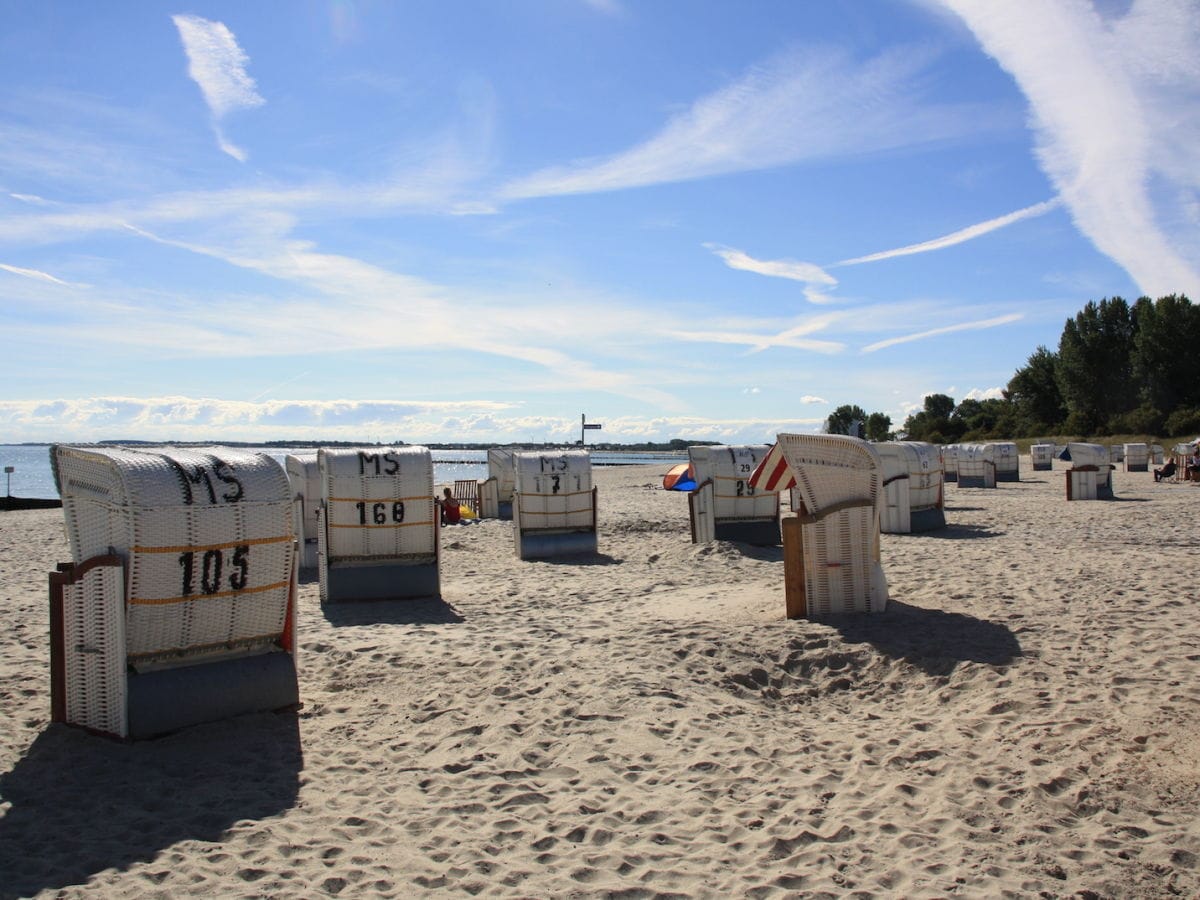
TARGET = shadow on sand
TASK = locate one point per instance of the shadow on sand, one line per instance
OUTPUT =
(81, 804)
(414, 611)
(932, 640)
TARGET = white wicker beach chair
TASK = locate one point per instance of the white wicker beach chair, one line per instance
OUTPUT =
(496, 491)
(378, 524)
(1008, 461)
(912, 487)
(1137, 457)
(1042, 457)
(304, 475)
(976, 466)
(179, 604)
(554, 504)
(831, 546)
(1090, 475)
(725, 506)
(950, 462)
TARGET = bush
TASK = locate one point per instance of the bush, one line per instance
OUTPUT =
(1183, 422)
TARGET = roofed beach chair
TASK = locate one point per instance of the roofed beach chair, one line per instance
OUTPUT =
(179, 604)
(831, 546)
(1137, 458)
(976, 466)
(1090, 475)
(1008, 461)
(377, 524)
(724, 505)
(1042, 457)
(554, 504)
(304, 475)
(496, 492)
(1156, 454)
(950, 462)
(912, 487)
(1116, 453)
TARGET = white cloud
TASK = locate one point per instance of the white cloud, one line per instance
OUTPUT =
(798, 106)
(218, 65)
(949, 329)
(992, 393)
(958, 237)
(795, 338)
(31, 273)
(1115, 111)
(812, 276)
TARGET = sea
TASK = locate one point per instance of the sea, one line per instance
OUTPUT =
(31, 477)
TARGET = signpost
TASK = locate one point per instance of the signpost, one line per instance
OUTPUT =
(8, 470)
(587, 426)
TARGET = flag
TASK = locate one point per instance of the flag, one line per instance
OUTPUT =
(773, 474)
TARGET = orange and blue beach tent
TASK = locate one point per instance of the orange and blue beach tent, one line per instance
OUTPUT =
(680, 478)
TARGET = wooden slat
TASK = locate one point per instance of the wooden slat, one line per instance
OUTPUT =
(795, 593)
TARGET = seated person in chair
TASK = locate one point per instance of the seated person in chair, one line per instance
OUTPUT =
(451, 513)
(1167, 471)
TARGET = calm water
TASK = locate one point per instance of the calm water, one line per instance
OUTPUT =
(32, 478)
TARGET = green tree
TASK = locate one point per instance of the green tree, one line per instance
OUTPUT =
(933, 422)
(843, 417)
(1037, 401)
(1094, 364)
(879, 427)
(1164, 352)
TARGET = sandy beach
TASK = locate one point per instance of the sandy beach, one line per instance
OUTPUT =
(1022, 722)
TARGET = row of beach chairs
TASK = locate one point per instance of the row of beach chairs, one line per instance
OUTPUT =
(179, 604)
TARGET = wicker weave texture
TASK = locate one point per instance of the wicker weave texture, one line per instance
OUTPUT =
(94, 654)
(378, 503)
(501, 467)
(207, 536)
(729, 468)
(304, 476)
(553, 490)
(922, 463)
(842, 567)
(1137, 457)
(1041, 454)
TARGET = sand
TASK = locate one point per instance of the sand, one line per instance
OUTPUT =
(1021, 722)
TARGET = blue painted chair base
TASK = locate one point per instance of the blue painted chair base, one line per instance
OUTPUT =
(544, 545)
(758, 532)
(387, 581)
(168, 700)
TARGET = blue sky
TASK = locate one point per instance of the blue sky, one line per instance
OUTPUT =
(478, 220)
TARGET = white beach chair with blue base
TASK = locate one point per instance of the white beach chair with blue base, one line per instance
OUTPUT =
(976, 466)
(377, 524)
(950, 463)
(304, 474)
(179, 605)
(725, 506)
(1090, 475)
(1137, 457)
(1042, 457)
(912, 487)
(554, 504)
(831, 546)
(1008, 461)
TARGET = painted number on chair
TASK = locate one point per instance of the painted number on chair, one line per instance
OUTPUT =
(212, 570)
(744, 488)
(379, 512)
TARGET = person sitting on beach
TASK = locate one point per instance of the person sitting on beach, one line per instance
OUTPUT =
(1167, 471)
(451, 513)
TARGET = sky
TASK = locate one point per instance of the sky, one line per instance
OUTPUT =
(479, 221)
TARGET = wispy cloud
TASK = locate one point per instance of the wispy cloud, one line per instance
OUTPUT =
(32, 273)
(1115, 111)
(949, 329)
(795, 338)
(218, 65)
(812, 276)
(799, 106)
(958, 237)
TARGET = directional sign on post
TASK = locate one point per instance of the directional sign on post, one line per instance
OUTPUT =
(587, 426)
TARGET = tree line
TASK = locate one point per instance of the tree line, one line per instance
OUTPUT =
(1118, 369)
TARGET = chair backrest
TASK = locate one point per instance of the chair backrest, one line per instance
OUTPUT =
(729, 468)
(912, 482)
(466, 492)
(378, 503)
(304, 475)
(838, 489)
(1137, 457)
(977, 465)
(553, 490)
(207, 536)
(1041, 455)
(501, 467)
